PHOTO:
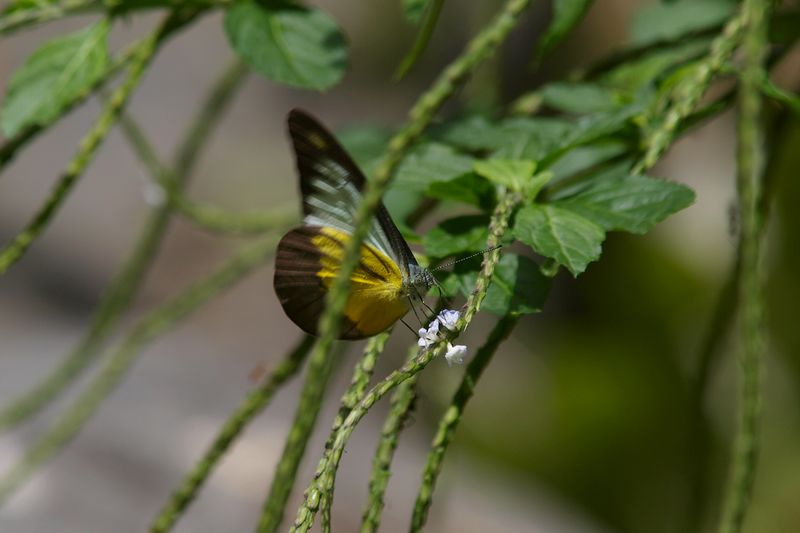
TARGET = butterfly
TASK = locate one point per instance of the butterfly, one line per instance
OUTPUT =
(387, 281)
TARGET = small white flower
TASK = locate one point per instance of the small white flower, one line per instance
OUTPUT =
(154, 194)
(449, 318)
(455, 354)
(430, 335)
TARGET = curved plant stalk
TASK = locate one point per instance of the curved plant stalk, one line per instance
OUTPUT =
(750, 166)
(452, 416)
(358, 387)
(431, 16)
(684, 98)
(206, 217)
(400, 408)
(478, 49)
(326, 470)
(124, 355)
(117, 298)
(311, 398)
(88, 146)
(252, 406)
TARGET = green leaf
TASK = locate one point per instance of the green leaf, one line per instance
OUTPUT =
(518, 286)
(632, 76)
(414, 9)
(429, 163)
(466, 233)
(473, 133)
(582, 158)
(663, 22)
(567, 237)
(469, 189)
(566, 15)
(288, 43)
(512, 173)
(629, 203)
(53, 76)
(530, 138)
(365, 144)
(579, 98)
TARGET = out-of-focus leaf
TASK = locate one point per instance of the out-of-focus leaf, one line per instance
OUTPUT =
(584, 157)
(54, 75)
(429, 163)
(414, 9)
(567, 237)
(518, 286)
(365, 144)
(661, 22)
(530, 138)
(469, 189)
(579, 98)
(566, 15)
(473, 133)
(629, 203)
(632, 76)
(512, 173)
(456, 235)
(288, 43)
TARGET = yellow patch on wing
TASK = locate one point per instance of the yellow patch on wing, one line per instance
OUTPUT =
(377, 298)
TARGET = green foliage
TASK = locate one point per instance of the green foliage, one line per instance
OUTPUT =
(579, 98)
(566, 15)
(54, 75)
(287, 43)
(668, 21)
(629, 203)
(557, 182)
(560, 234)
(518, 286)
(429, 163)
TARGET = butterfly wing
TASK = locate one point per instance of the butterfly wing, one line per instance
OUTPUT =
(332, 186)
(309, 259)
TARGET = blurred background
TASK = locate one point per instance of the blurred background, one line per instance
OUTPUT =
(584, 422)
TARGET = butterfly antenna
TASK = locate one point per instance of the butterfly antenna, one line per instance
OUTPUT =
(451, 263)
(409, 328)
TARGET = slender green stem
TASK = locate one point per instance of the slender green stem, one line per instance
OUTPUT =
(88, 146)
(452, 416)
(253, 404)
(206, 217)
(125, 354)
(686, 95)
(421, 114)
(400, 407)
(119, 295)
(323, 480)
(358, 387)
(311, 398)
(750, 163)
(432, 11)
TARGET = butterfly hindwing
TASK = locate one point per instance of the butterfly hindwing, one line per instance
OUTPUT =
(309, 258)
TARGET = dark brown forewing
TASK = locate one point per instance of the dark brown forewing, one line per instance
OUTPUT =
(299, 289)
(320, 156)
